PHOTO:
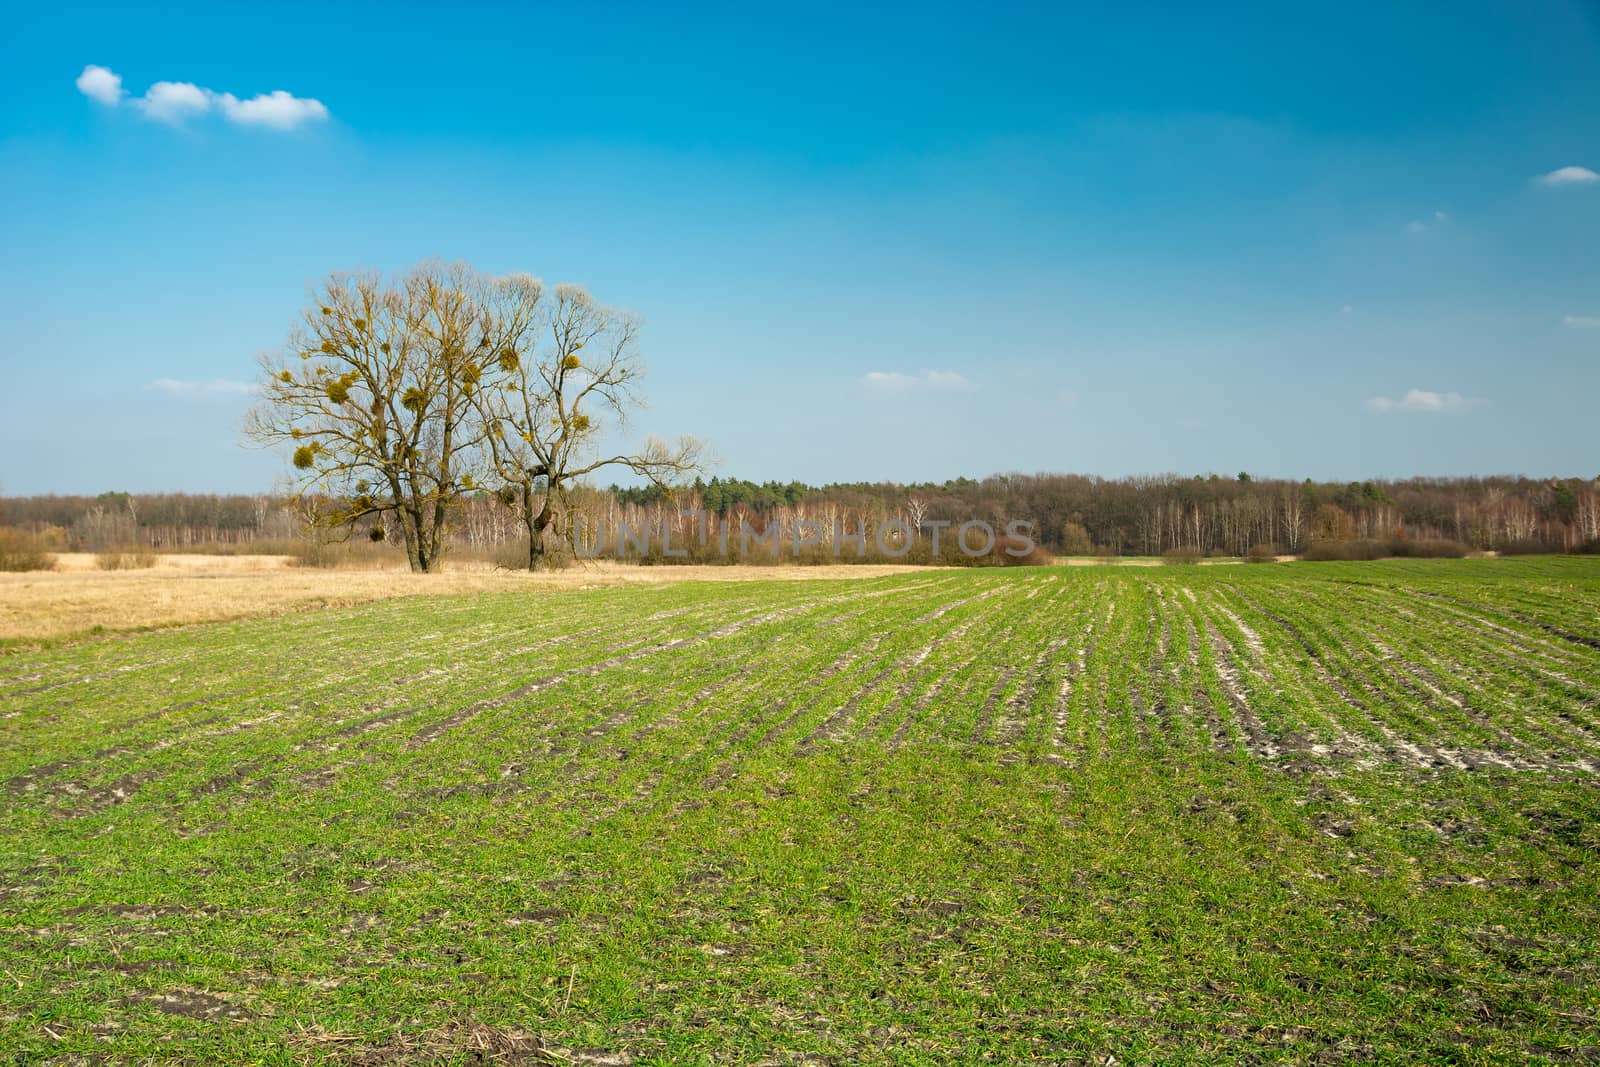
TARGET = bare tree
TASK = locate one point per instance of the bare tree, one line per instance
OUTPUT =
(374, 399)
(563, 364)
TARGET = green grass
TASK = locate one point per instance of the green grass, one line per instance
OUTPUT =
(1303, 813)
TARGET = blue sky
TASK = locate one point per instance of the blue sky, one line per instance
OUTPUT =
(1301, 240)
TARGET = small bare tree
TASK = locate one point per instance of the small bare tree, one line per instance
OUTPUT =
(374, 399)
(562, 365)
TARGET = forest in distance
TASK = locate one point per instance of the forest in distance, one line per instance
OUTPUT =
(1069, 514)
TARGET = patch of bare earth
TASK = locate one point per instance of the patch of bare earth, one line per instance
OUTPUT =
(192, 1004)
(466, 1042)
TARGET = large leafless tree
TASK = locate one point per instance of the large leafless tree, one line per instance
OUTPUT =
(566, 374)
(373, 397)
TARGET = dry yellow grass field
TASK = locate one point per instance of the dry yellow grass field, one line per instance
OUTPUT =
(78, 598)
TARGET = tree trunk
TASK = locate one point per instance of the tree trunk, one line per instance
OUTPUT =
(538, 522)
(408, 531)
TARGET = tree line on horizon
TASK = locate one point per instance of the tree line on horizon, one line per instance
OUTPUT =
(1071, 514)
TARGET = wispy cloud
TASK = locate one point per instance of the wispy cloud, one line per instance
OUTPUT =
(1421, 401)
(1568, 176)
(177, 102)
(215, 387)
(98, 83)
(1423, 225)
(1582, 322)
(928, 379)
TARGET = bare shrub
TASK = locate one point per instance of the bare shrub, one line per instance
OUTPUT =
(310, 553)
(1528, 546)
(1009, 552)
(1180, 556)
(1328, 551)
(354, 555)
(510, 556)
(23, 552)
(1262, 554)
(133, 558)
(1430, 548)
(1369, 549)
(953, 553)
(1075, 540)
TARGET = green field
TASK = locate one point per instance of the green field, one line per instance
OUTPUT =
(1302, 812)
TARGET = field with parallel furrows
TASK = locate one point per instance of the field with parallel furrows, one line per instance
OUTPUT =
(1303, 812)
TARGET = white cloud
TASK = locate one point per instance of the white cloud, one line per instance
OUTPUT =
(1569, 176)
(278, 109)
(928, 379)
(1421, 401)
(1582, 322)
(1423, 225)
(176, 102)
(98, 83)
(215, 387)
